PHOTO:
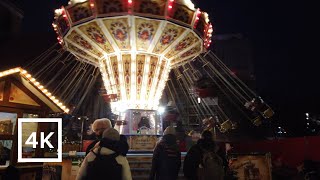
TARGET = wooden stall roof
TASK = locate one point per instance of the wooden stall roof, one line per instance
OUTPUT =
(25, 82)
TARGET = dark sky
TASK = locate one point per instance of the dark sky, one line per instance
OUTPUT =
(286, 73)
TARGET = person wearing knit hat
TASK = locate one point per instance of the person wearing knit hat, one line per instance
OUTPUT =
(111, 137)
(169, 130)
(98, 126)
(166, 160)
(111, 134)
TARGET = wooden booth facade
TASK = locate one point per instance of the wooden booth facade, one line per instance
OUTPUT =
(21, 96)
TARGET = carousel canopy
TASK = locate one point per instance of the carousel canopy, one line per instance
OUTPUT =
(135, 43)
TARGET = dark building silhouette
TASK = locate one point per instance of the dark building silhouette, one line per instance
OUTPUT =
(10, 19)
(237, 53)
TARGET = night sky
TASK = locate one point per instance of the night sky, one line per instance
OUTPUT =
(285, 71)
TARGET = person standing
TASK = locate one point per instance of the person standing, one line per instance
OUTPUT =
(202, 162)
(166, 160)
(98, 126)
(105, 162)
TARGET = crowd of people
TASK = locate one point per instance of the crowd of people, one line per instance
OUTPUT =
(107, 156)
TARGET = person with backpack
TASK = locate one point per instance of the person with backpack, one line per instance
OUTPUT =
(166, 160)
(202, 162)
(105, 162)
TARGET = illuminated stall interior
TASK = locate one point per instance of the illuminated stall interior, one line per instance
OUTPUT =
(22, 96)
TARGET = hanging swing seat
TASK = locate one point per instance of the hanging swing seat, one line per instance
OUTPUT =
(257, 121)
(267, 113)
(225, 126)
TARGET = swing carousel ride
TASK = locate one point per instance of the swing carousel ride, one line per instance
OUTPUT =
(143, 46)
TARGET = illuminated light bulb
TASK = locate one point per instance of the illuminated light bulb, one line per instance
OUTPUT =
(1, 74)
(67, 110)
(197, 18)
(24, 72)
(130, 1)
(56, 101)
(45, 91)
(64, 16)
(52, 97)
(92, 5)
(11, 71)
(40, 87)
(37, 83)
(63, 107)
(171, 0)
(170, 7)
(48, 94)
(32, 79)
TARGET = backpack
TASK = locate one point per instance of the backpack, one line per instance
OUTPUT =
(170, 158)
(104, 166)
(211, 166)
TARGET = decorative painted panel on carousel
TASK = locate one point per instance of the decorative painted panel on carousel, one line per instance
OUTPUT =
(94, 32)
(119, 30)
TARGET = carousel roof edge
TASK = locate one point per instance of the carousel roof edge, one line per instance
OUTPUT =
(35, 87)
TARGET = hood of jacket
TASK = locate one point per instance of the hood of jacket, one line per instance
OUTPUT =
(207, 144)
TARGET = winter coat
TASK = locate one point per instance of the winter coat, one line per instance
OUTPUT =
(91, 145)
(194, 156)
(121, 147)
(166, 160)
(122, 160)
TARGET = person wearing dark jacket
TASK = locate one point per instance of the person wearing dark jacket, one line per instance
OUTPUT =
(120, 146)
(98, 127)
(166, 160)
(194, 155)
